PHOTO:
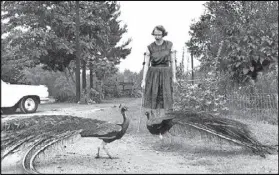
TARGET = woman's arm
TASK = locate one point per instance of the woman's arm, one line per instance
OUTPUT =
(173, 62)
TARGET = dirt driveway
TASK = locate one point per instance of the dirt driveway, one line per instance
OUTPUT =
(140, 152)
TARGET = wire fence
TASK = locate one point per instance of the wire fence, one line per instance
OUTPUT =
(260, 105)
(242, 102)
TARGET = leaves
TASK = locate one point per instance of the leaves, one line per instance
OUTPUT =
(49, 38)
(249, 31)
(238, 64)
(252, 69)
(202, 97)
(245, 71)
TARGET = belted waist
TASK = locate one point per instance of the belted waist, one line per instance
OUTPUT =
(160, 65)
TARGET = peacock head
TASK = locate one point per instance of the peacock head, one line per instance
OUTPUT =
(124, 108)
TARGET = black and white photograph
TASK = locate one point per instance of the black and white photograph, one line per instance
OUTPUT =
(139, 87)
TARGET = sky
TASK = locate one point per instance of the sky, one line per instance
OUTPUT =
(142, 16)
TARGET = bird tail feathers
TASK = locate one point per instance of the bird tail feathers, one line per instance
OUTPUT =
(40, 144)
(221, 134)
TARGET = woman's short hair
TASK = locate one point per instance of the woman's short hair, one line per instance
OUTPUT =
(160, 28)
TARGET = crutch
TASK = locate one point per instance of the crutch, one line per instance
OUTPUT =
(142, 92)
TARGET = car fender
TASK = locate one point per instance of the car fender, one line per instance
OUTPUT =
(11, 94)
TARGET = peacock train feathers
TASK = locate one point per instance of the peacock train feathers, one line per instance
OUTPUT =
(18, 133)
(208, 125)
(41, 132)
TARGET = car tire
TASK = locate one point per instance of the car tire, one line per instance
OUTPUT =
(28, 104)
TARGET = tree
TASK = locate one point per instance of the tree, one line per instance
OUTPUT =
(112, 52)
(77, 53)
(50, 35)
(248, 32)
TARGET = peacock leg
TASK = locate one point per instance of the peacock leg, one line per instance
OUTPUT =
(171, 136)
(104, 147)
(98, 153)
(165, 138)
(160, 136)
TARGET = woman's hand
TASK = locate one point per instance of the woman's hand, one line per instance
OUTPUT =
(174, 81)
(143, 84)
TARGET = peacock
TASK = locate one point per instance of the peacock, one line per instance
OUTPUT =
(108, 132)
(158, 126)
(37, 133)
(209, 125)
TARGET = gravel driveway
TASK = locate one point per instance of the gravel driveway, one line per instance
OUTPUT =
(140, 152)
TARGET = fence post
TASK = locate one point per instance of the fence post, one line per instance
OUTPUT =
(192, 64)
(276, 96)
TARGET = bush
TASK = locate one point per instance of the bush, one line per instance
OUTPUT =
(256, 100)
(111, 88)
(64, 90)
(60, 88)
(200, 97)
(91, 96)
(136, 93)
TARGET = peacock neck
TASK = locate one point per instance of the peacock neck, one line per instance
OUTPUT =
(124, 117)
(125, 123)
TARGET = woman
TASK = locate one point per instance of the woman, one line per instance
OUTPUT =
(159, 73)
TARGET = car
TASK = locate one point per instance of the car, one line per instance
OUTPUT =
(25, 97)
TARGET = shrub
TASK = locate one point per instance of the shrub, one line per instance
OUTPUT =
(91, 96)
(60, 88)
(200, 97)
(64, 90)
(111, 88)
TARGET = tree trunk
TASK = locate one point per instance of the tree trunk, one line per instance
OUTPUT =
(91, 75)
(84, 75)
(102, 89)
(77, 54)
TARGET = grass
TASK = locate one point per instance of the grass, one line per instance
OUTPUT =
(266, 116)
